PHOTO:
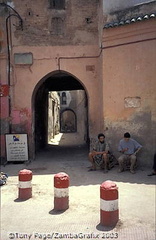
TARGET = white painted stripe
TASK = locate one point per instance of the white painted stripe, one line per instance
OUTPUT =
(109, 205)
(26, 184)
(61, 192)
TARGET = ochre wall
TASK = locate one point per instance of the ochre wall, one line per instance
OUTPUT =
(129, 71)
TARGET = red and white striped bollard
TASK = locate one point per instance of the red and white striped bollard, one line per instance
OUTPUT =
(25, 188)
(109, 213)
(61, 191)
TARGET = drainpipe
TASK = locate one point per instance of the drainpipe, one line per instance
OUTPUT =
(15, 14)
(102, 48)
(60, 58)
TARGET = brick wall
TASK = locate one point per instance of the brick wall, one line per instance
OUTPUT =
(74, 25)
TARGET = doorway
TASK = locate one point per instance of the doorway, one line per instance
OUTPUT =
(72, 105)
(68, 123)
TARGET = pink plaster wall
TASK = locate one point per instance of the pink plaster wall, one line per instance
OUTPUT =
(46, 61)
(15, 116)
(129, 71)
(4, 107)
(21, 118)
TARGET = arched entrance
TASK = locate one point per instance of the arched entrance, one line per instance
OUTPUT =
(68, 121)
(62, 84)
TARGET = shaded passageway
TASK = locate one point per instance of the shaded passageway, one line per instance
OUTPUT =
(57, 98)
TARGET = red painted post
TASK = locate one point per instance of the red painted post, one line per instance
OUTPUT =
(109, 213)
(25, 188)
(61, 191)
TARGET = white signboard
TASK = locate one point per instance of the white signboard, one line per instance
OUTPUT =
(16, 147)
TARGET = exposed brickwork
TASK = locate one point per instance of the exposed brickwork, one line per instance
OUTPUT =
(78, 27)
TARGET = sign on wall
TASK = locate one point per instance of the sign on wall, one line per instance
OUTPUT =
(16, 147)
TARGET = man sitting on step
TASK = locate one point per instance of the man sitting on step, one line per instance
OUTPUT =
(100, 154)
(129, 148)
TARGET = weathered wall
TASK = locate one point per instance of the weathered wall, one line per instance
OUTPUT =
(129, 85)
(132, 11)
(72, 47)
(4, 99)
(29, 76)
(111, 5)
(79, 23)
(118, 80)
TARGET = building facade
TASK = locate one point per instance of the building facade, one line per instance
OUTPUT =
(71, 45)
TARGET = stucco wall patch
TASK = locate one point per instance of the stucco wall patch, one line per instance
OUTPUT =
(132, 102)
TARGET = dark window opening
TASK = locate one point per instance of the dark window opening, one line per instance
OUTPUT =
(57, 26)
(57, 4)
(64, 99)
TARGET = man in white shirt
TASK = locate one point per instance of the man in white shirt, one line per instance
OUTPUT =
(129, 148)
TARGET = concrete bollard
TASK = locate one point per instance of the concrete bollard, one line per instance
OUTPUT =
(61, 191)
(109, 213)
(25, 188)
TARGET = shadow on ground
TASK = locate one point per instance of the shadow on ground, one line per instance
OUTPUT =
(74, 162)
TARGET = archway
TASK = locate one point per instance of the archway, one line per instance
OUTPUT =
(68, 122)
(58, 81)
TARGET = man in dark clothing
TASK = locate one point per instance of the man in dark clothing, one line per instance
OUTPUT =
(99, 155)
